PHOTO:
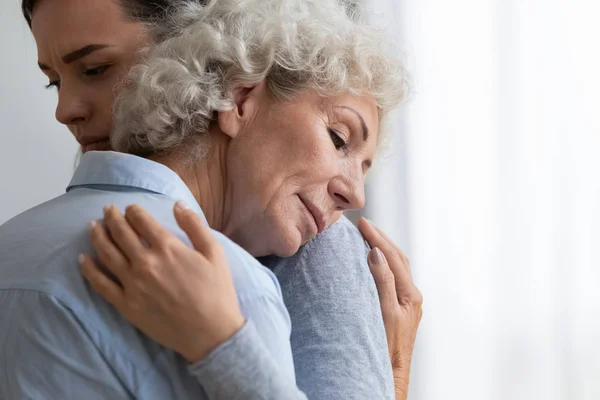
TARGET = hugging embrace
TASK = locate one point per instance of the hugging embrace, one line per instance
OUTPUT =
(200, 251)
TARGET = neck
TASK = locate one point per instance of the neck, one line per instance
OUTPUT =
(205, 176)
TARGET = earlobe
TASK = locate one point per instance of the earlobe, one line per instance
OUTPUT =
(245, 98)
(229, 123)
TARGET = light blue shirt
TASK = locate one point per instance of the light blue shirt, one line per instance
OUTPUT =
(60, 340)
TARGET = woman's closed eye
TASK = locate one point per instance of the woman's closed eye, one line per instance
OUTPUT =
(91, 72)
(337, 139)
(55, 84)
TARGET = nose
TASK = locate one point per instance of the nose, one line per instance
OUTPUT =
(71, 110)
(348, 190)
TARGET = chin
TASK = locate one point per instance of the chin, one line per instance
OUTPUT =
(287, 241)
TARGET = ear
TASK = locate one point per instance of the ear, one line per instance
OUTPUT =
(246, 101)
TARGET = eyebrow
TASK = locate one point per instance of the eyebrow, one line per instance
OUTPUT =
(77, 54)
(362, 121)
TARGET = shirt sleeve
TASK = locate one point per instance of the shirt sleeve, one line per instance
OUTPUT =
(338, 337)
(46, 354)
(243, 368)
(256, 363)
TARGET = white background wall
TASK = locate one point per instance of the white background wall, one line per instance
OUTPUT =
(497, 166)
(37, 154)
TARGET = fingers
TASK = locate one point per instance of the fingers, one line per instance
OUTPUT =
(392, 245)
(384, 279)
(146, 226)
(104, 286)
(398, 262)
(108, 254)
(198, 232)
(123, 235)
(369, 232)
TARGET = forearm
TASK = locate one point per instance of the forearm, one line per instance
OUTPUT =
(401, 380)
(243, 368)
(401, 367)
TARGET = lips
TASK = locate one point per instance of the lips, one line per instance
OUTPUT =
(101, 144)
(316, 213)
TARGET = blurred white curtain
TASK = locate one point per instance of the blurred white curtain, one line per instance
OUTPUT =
(493, 190)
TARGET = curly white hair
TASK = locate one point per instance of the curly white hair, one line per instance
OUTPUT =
(295, 45)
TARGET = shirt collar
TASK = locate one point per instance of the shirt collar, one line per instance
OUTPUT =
(126, 170)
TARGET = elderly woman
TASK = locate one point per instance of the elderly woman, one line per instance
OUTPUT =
(226, 83)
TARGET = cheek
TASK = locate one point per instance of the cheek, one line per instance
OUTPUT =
(319, 171)
(271, 165)
(319, 164)
(104, 97)
(102, 111)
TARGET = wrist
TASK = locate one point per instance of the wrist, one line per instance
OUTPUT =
(401, 359)
(201, 348)
(401, 373)
(401, 379)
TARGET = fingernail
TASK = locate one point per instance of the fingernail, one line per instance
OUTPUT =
(182, 205)
(81, 259)
(376, 257)
(106, 209)
(92, 224)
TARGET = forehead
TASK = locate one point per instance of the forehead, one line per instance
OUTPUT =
(69, 24)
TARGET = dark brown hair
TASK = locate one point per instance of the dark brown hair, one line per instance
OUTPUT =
(145, 11)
